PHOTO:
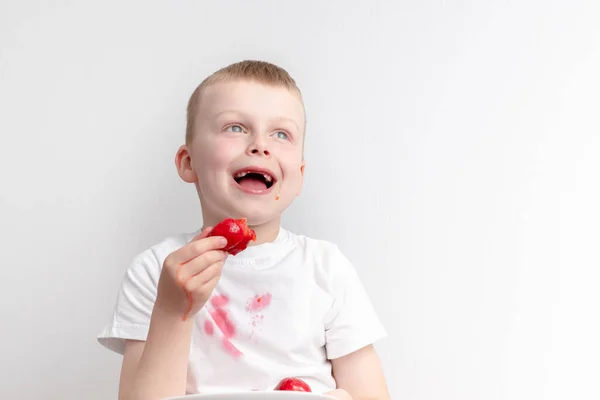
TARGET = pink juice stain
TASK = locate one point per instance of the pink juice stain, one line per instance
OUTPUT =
(219, 301)
(259, 302)
(220, 318)
(209, 328)
(223, 322)
(254, 306)
(230, 348)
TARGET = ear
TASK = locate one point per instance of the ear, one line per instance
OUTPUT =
(302, 167)
(183, 162)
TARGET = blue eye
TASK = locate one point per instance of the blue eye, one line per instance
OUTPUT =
(235, 128)
(282, 135)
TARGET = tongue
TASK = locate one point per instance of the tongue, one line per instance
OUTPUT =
(251, 183)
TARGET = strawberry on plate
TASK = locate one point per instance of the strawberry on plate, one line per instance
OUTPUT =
(293, 384)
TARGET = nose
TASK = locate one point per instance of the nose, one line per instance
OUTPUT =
(258, 147)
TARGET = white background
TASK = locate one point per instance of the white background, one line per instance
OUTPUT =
(453, 153)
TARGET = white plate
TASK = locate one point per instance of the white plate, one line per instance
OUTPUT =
(273, 395)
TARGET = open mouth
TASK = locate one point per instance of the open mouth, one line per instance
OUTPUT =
(254, 180)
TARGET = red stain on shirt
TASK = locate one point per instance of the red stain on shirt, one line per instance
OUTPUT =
(223, 322)
(221, 318)
(259, 302)
(219, 301)
(208, 328)
(230, 348)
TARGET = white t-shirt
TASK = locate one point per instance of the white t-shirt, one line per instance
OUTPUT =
(280, 309)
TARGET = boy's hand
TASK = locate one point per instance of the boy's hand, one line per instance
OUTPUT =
(190, 274)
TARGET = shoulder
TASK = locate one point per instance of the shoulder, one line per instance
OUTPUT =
(315, 247)
(326, 257)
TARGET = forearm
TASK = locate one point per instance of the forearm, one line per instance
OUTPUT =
(162, 370)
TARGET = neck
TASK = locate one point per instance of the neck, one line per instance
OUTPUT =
(267, 232)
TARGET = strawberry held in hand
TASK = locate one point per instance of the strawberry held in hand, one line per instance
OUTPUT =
(293, 384)
(237, 233)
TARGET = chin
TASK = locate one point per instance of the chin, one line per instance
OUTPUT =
(256, 219)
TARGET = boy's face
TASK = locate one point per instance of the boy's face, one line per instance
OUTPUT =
(246, 156)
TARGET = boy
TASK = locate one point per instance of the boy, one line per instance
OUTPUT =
(287, 306)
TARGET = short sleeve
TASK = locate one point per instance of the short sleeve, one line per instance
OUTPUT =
(135, 302)
(353, 322)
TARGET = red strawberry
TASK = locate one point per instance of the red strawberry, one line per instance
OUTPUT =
(293, 384)
(237, 233)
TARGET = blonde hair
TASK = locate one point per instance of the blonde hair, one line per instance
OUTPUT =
(250, 70)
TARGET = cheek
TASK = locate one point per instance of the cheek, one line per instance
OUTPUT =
(293, 177)
(211, 157)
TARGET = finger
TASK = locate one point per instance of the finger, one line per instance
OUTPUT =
(196, 281)
(204, 233)
(209, 274)
(199, 264)
(204, 290)
(195, 248)
(209, 286)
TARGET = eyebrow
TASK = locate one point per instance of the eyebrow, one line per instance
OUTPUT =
(276, 119)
